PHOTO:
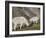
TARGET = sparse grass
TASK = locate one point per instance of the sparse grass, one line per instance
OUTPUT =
(31, 27)
(35, 27)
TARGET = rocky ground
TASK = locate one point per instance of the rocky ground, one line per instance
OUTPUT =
(31, 27)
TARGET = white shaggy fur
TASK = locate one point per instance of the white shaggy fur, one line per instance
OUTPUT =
(34, 19)
(19, 20)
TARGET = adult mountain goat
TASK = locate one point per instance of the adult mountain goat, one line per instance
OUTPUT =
(34, 19)
(20, 21)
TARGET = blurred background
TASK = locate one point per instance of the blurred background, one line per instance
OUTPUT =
(27, 12)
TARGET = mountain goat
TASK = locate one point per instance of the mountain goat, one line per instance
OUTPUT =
(20, 21)
(34, 19)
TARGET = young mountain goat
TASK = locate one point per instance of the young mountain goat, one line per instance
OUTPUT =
(19, 21)
(34, 19)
